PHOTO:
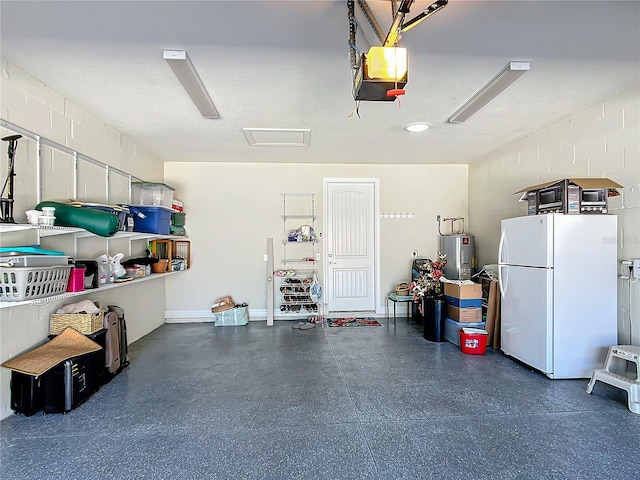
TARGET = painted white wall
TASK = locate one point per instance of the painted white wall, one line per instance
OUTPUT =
(232, 208)
(601, 141)
(31, 105)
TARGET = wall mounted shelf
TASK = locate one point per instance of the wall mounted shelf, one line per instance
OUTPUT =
(53, 298)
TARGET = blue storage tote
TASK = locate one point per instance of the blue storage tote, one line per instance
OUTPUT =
(452, 329)
(157, 220)
(463, 302)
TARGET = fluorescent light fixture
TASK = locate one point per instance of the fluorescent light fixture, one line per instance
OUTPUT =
(417, 127)
(190, 80)
(502, 80)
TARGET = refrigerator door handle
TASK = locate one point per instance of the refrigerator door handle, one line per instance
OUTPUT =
(500, 261)
(500, 247)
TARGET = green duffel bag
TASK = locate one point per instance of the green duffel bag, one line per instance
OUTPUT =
(98, 222)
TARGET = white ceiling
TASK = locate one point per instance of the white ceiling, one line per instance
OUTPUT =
(285, 64)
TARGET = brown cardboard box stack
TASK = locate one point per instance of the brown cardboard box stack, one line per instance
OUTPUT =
(459, 294)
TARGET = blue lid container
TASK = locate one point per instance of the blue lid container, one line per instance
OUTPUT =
(157, 219)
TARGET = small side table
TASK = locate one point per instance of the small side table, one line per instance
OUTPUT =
(395, 298)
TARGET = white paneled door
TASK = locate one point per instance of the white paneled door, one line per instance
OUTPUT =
(350, 235)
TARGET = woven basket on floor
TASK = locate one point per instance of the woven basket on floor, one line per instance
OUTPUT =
(86, 323)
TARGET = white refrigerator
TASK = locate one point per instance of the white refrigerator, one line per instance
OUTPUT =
(558, 283)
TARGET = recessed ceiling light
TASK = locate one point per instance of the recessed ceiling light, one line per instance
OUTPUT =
(417, 127)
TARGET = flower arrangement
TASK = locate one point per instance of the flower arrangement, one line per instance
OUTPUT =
(428, 282)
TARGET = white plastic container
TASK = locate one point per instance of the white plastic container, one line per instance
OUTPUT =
(48, 211)
(153, 194)
(32, 216)
(46, 220)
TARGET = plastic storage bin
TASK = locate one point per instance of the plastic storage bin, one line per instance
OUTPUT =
(28, 283)
(157, 220)
(76, 280)
(178, 219)
(233, 316)
(34, 260)
(147, 193)
(451, 329)
(473, 343)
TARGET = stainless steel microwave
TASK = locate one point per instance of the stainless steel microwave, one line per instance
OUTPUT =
(568, 198)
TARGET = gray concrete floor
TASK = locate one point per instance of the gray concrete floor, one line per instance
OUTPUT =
(258, 402)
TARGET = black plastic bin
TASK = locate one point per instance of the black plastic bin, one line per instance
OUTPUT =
(433, 323)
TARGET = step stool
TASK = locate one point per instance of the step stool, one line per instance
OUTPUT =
(628, 353)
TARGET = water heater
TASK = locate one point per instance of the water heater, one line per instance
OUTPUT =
(461, 255)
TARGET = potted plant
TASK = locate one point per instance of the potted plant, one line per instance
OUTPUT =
(427, 292)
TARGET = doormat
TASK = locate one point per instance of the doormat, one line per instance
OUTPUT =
(353, 322)
(70, 343)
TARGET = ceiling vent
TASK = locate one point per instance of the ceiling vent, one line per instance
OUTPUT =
(278, 137)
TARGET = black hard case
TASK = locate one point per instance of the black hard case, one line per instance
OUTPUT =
(101, 374)
(68, 384)
(26, 393)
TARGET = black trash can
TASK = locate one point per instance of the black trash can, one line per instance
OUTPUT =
(434, 310)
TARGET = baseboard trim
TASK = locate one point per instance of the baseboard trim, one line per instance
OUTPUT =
(205, 316)
(256, 315)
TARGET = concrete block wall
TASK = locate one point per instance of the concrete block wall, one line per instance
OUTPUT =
(33, 106)
(600, 141)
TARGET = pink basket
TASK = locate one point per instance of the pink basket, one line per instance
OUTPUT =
(76, 280)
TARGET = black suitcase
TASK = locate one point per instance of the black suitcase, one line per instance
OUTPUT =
(26, 393)
(124, 349)
(68, 384)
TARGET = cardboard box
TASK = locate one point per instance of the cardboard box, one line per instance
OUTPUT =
(589, 182)
(466, 315)
(463, 290)
(463, 302)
